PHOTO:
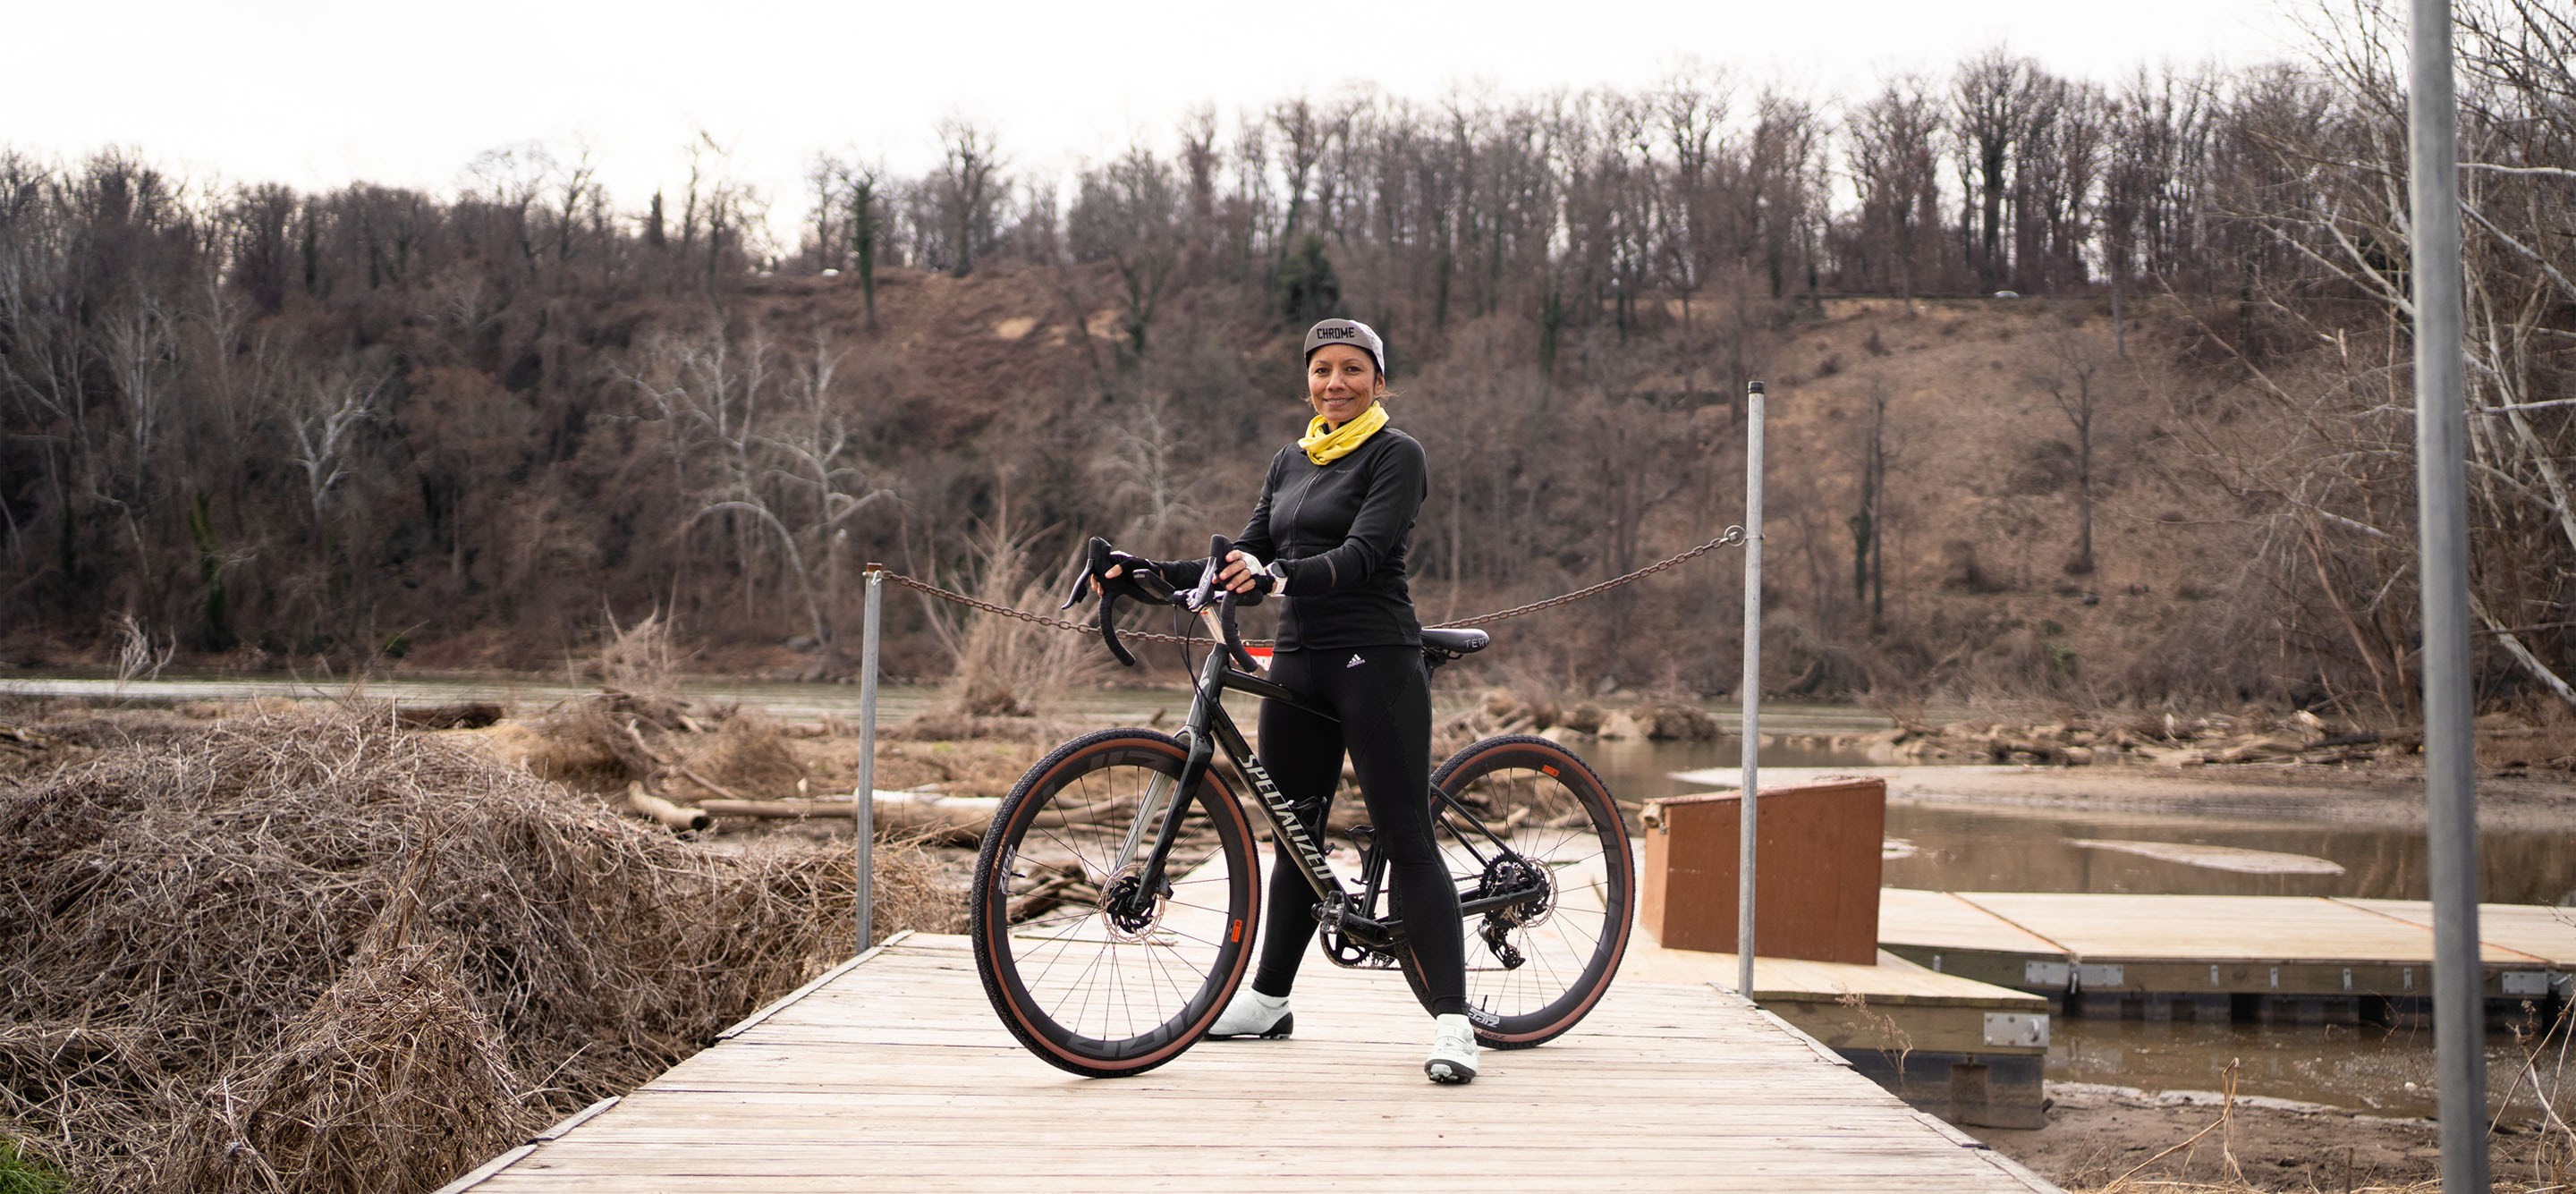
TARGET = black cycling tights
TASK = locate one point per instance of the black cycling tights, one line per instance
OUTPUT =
(1383, 699)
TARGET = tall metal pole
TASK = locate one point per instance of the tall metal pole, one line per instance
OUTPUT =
(1750, 688)
(865, 799)
(2442, 535)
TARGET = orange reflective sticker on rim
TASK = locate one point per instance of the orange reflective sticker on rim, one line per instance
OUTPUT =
(1551, 771)
(1235, 934)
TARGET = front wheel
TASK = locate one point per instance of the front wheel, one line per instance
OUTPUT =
(1090, 967)
(1522, 817)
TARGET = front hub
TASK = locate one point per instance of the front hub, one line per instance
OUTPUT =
(1128, 910)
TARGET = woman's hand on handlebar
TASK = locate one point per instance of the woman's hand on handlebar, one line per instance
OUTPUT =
(1243, 573)
(1123, 564)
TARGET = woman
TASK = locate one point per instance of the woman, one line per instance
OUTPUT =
(1333, 522)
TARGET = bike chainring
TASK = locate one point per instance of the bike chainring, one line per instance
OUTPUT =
(1338, 946)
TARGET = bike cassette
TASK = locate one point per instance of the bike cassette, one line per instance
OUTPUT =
(1126, 911)
(1532, 896)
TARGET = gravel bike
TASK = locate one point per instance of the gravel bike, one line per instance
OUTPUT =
(1116, 893)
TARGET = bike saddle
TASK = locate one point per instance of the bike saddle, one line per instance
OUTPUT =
(1455, 643)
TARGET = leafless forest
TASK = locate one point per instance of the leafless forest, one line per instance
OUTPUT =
(369, 423)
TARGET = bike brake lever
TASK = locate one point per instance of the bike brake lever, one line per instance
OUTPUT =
(1097, 563)
(1218, 545)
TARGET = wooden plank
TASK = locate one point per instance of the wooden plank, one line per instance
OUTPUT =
(2200, 929)
(474, 1178)
(1295, 1179)
(1942, 920)
(2536, 930)
(1861, 1025)
(896, 1073)
(1892, 981)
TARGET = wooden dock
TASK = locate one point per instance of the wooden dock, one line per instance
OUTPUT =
(2333, 953)
(893, 1073)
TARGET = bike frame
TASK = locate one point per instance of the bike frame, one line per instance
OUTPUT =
(1210, 728)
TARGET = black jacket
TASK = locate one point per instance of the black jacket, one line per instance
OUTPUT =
(1342, 531)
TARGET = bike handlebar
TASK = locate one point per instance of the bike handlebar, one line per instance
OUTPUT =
(1138, 579)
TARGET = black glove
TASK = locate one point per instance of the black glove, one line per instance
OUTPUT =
(1138, 577)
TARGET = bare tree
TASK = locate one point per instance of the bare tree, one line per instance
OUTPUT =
(766, 442)
(1129, 214)
(1990, 104)
(969, 190)
(1894, 163)
(1869, 517)
(2070, 374)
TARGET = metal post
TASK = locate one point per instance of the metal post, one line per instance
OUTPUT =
(865, 799)
(1750, 689)
(2442, 536)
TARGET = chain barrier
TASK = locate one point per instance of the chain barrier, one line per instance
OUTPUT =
(1733, 537)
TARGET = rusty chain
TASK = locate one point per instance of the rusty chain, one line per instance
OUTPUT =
(1733, 537)
(1037, 619)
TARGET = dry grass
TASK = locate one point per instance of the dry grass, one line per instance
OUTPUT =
(751, 757)
(640, 659)
(1007, 667)
(313, 951)
(2536, 1165)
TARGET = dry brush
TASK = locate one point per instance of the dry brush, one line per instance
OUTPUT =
(314, 951)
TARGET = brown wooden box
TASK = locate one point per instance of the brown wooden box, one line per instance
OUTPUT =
(1816, 879)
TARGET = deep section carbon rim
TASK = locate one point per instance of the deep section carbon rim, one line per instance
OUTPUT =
(1536, 968)
(1087, 968)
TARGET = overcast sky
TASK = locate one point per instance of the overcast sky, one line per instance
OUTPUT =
(318, 93)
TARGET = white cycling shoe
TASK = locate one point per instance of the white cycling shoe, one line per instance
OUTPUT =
(1453, 1050)
(1253, 1014)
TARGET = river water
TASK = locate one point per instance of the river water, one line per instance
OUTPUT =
(1933, 844)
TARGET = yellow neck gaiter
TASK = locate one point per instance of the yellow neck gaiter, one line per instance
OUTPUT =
(1324, 446)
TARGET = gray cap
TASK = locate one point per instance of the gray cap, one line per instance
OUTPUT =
(1347, 331)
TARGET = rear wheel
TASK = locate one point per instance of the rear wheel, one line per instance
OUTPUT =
(1087, 968)
(1528, 819)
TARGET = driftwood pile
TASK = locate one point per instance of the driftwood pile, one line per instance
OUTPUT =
(2253, 737)
(695, 770)
(1503, 712)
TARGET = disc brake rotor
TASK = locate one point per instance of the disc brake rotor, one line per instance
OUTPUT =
(1126, 911)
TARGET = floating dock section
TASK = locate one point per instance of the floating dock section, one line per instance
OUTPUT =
(2310, 959)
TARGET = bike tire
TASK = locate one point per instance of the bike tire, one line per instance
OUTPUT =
(1081, 990)
(1576, 835)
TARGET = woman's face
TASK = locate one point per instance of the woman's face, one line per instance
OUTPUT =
(1341, 381)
